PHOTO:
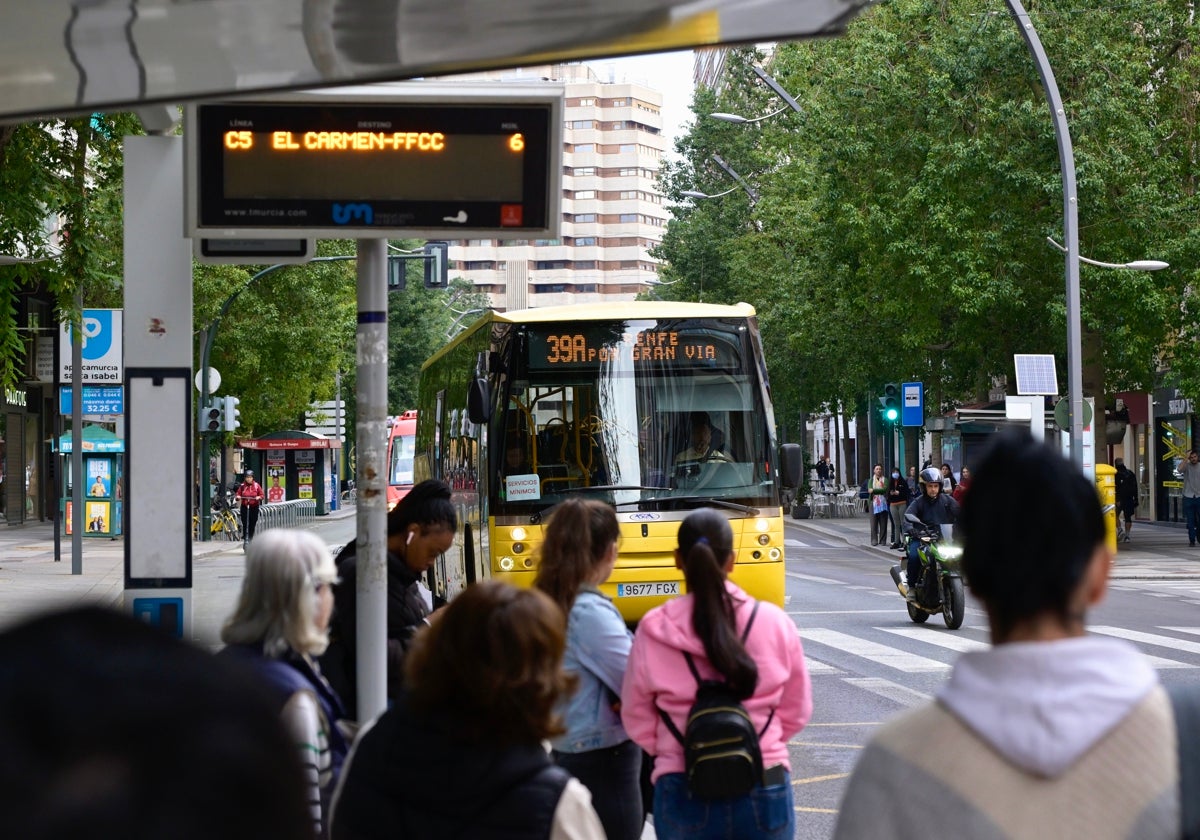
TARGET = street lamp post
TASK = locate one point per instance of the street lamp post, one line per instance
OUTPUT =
(774, 86)
(698, 194)
(1135, 265)
(1066, 159)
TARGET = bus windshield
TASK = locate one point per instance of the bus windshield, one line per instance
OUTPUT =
(654, 414)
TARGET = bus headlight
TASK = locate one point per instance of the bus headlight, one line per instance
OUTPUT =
(774, 554)
(506, 564)
(762, 525)
(518, 548)
(763, 539)
(519, 533)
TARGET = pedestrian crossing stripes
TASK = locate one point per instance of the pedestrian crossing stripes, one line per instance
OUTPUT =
(926, 650)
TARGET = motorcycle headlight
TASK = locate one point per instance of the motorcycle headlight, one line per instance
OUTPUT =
(950, 552)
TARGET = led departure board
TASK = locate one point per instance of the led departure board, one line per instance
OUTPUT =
(433, 162)
(592, 345)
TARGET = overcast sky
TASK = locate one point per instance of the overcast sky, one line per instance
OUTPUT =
(670, 73)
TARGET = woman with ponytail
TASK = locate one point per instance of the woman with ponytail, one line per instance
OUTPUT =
(578, 555)
(750, 645)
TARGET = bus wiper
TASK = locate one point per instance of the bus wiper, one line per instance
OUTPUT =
(611, 487)
(752, 511)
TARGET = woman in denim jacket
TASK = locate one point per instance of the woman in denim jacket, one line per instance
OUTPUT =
(578, 555)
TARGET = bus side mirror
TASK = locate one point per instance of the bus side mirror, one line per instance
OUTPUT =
(479, 401)
(791, 461)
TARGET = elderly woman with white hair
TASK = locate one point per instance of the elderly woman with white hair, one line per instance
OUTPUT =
(279, 627)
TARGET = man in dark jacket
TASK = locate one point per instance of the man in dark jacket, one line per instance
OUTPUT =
(420, 529)
(933, 508)
(1127, 495)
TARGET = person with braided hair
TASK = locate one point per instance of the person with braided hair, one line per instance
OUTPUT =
(751, 646)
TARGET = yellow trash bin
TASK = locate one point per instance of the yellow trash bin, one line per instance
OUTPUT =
(1106, 486)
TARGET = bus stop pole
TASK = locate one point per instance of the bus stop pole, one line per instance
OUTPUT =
(371, 509)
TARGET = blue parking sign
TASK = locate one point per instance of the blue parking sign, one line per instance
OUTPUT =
(912, 404)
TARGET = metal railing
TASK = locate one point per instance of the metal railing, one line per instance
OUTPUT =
(290, 514)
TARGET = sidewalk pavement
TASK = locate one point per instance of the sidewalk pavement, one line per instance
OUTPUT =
(31, 581)
(1155, 551)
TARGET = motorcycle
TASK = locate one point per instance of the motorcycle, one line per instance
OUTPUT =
(939, 589)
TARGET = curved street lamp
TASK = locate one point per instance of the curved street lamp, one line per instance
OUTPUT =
(698, 194)
(1135, 265)
(740, 120)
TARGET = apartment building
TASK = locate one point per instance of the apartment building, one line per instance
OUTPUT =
(612, 209)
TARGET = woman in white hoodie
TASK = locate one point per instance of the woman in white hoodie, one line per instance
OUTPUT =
(1051, 732)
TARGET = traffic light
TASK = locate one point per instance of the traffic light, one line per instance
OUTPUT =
(232, 415)
(890, 402)
(212, 416)
(436, 268)
(397, 268)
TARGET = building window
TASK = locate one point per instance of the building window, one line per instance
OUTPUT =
(549, 289)
(587, 103)
(627, 147)
(582, 287)
(584, 240)
(581, 124)
(585, 217)
(628, 217)
(580, 264)
(585, 147)
(582, 194)
(581, 171)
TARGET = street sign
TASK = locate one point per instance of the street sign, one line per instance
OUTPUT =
(97, 399)
(1063, 407)
(912, 409)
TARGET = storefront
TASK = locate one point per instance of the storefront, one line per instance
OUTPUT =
(21, 462)
(1174, 435)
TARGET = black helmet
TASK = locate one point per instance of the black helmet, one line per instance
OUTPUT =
(249, 473)
(931, 476)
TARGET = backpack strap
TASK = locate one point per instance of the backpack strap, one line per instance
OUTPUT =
(691, 663)
(1186, 706)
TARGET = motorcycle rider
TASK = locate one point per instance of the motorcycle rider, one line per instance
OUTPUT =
(934, 508)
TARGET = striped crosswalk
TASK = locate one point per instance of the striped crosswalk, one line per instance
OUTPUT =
(929, 650)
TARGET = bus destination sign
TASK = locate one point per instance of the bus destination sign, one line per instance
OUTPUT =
(599, 346)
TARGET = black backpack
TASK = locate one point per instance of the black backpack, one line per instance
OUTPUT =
(721, 754)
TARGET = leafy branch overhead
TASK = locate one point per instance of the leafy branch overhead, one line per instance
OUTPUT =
(901, 227)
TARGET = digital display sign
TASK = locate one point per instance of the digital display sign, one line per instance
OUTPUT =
(593, 346)
(424, 161)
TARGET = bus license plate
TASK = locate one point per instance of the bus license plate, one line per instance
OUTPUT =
(641, 590)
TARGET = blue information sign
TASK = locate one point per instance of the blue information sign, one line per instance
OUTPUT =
(912, 408)
(97, 399)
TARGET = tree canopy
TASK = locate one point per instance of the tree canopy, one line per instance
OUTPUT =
(900, 230)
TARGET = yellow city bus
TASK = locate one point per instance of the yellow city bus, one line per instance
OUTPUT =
(526, 408)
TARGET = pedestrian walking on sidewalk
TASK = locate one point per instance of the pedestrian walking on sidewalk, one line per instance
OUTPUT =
(1127, 495)
(249, 495)
(1190, 470)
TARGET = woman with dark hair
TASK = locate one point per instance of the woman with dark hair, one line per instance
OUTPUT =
(1051, 732)
(750, 645)
(949, 482)
(419, 530)
(577, 556)
(460, 754)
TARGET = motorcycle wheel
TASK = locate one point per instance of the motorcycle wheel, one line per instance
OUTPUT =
(955, 608)
(917, 615)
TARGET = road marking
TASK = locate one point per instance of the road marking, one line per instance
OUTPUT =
(901, 694)
(1153, 639)
(949, 639)
(875, 652)
(1195, 631)
(812, 578)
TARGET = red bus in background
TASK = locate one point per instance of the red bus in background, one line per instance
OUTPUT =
(401, 436)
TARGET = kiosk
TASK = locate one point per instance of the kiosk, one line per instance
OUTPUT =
(294, 465)
(103, 475)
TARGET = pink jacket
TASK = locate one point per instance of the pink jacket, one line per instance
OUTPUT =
(657, 676)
